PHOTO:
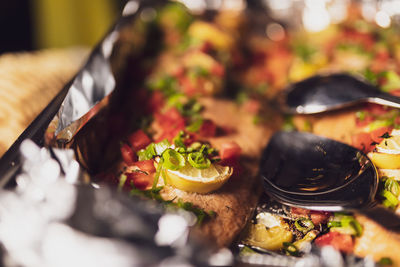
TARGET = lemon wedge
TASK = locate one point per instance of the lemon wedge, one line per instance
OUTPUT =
(196, 180)
(387, 155)
(390, 145)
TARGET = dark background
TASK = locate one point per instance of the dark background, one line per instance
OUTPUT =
(17, 24)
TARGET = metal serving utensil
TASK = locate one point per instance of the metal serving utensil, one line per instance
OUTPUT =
(308, 171)
(322, 93)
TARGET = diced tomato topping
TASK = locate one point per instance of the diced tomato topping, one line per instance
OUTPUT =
(367, 120)
(252, 106)
(376, 109)
(179, 71)
(318, 217)
(138, 179)
(218, 70)
(339, 241)
(363, 141)
(376, 134)
(300, 211)
(156, 101)
(145, 165)
(139, 140)
(128, 155)
(230, 153)
(395, 92)
(208, 129)
(187, 86)
(206, 47)
(230, 150)
(171, 123)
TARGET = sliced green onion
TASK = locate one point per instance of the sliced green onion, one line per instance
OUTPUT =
(195, 125)
(290, 249)
(361, 115)
(198, 160)
(173, 160)
(179, 140)
(392, 186)
(161, 146)
(122, 180)
(391, 200)
(148, 153)
(334, 224)
(379, 124)
(345, 224)
(304, 225)
(158, 173)
(385, 261)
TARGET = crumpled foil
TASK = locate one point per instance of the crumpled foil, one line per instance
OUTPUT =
(51, 219)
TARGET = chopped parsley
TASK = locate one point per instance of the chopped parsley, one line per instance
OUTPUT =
(154, 193)
(385, 135)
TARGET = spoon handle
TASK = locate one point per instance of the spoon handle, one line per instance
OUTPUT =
(386, 99)
(383, 216)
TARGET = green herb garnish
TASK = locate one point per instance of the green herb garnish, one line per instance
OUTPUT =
(345, 224)
(385, 135)
(304, 225)
(173, 160)
(290, 249)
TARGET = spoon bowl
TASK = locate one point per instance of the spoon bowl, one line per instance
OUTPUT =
(323, 93)
(308, 171)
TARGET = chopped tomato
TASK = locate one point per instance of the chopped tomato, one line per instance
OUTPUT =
(230, 150)
(218, 70)
(171, 123)
(376, 109)
(395, 92)
(179, 71)
(156, 101)
(363, 38)
(145, 165)
(206, 47)
(252, 106)
(376, 134)
(139, 140)
(208, 129)
(187, 86)
(300, 211)
(337, 240)
(128, 155)
(318, 217)
(138, 179)
(229, 154)
(363, 141)
(365, 121)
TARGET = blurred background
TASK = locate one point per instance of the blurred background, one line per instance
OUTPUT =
(43, 43)
(27, 25)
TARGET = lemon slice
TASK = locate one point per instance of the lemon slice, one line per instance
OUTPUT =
(196, 180)
(388, 152)
(390, 145)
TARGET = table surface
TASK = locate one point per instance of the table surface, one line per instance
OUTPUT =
(28, 82)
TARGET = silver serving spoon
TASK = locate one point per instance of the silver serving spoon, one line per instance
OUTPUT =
(308, 171)
(330, 92)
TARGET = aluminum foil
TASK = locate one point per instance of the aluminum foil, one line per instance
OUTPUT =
(50, 219)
